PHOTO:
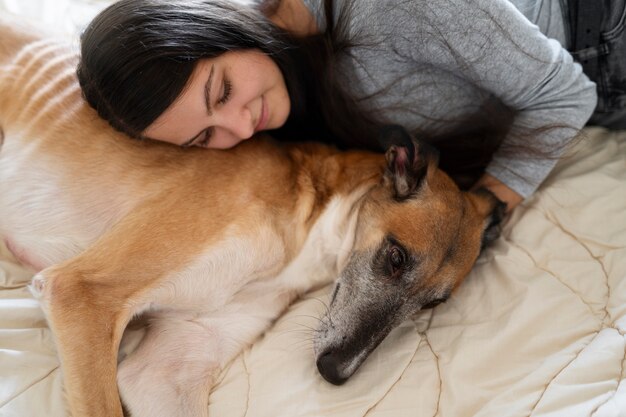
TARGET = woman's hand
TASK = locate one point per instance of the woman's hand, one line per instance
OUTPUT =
(294, 17)
(504, 193)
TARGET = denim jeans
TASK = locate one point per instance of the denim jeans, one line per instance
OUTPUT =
(609, 69)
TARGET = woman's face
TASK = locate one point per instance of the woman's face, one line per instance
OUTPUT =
(226, 100)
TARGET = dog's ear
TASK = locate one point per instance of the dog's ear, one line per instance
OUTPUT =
(408, 161)
(493, 210)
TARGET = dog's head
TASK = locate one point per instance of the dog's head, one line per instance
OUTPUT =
(417, 237)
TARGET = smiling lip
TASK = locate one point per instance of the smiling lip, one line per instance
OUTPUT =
(263, 116)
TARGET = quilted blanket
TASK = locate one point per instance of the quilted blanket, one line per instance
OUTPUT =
(537, 329)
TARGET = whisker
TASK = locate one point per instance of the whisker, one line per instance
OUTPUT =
(302, 345)
(307, 326)
(297, 331)
(326, 312)
(322, 302)
(308, 316)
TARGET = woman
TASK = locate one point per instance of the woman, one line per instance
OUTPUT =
(463, 74)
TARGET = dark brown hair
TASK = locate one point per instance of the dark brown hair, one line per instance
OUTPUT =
(137, 55)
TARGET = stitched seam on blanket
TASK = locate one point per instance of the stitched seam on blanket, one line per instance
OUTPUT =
(545, 389)
(425, 337)
(547, 271)
(583, 246)
(29, 387)
(555, 222)
(396, 382)
(248, 376)
(603, 324)
(621, 379)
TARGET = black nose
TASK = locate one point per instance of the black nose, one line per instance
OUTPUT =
(328, 365)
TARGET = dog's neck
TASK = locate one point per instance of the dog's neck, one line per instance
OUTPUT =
(329, 187)
(327, 180)
(327, 172)
(324, 172)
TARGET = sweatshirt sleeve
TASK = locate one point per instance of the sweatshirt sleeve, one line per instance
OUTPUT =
(533, 75)
(491, 45)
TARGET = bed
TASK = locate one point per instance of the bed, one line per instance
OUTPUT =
(537, 329)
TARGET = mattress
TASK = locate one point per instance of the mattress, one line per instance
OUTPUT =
(537, 329)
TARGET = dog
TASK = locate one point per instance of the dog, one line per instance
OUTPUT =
(210, 246)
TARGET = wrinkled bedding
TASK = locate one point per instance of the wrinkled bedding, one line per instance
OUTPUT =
(538, 328)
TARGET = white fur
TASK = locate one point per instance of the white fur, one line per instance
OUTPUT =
(204, 315)
(200, 316)
(327, 246)
(57, 226)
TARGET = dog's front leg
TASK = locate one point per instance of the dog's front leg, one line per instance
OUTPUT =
(171, 372)
(87, 333)
(90, 299)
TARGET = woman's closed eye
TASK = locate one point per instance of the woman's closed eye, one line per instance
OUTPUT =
(203, 138)
(226, 90)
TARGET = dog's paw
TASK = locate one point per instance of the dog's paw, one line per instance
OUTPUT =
(37, 286)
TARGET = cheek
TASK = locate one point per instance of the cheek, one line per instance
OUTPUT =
(224, 142)
(283, 108)
(280, 98)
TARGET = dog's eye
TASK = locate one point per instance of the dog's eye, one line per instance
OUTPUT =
(396, 258)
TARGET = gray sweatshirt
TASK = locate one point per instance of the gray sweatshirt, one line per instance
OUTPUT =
(429, 56)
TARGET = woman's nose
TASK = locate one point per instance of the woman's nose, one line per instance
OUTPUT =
(237, 122)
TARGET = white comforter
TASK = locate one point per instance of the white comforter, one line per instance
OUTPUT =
(538, 328)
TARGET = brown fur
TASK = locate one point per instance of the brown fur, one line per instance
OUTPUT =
(163, 206)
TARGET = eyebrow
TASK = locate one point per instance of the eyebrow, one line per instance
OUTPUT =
(207, 100)
(207, 91)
